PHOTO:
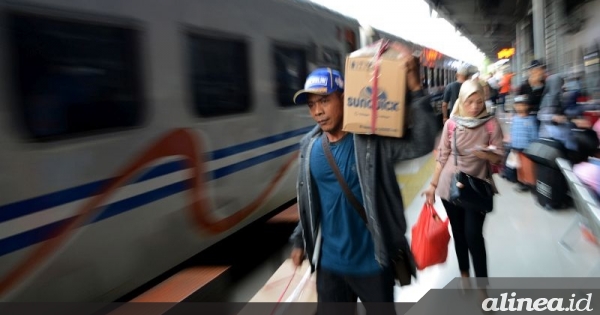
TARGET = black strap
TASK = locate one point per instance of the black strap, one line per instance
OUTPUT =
(355, 203)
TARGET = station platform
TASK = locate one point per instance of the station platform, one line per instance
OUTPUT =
(522, 240)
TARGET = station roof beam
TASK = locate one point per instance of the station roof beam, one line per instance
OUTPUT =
(489, 24)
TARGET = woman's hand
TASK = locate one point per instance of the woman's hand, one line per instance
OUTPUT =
(489, 156)
(480, 154)
(429, 194)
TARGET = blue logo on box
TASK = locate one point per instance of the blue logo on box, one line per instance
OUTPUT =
(364, 100)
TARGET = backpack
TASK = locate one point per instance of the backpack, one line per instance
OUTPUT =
(490, 126)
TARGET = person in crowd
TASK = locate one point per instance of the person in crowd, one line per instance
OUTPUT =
(551, 110)
(353, 259)
(589, 174)
(533, 87)
(523, 131)
(587, 169)
(469, 118)
(493, 88)
(505, 89)
(451, 92)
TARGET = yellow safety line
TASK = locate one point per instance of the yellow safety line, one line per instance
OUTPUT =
(412, 184)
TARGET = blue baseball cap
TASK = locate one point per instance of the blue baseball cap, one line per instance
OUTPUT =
(322, 81)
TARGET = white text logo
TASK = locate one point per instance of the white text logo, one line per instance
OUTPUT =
(542, 304)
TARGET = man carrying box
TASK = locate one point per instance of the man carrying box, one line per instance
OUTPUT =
(355, 259)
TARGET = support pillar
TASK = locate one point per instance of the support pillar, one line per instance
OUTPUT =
(539, 40)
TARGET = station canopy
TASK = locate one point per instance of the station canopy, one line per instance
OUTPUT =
(488, 24)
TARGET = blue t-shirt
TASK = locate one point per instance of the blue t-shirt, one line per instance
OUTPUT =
(347, 246)
(523, 131)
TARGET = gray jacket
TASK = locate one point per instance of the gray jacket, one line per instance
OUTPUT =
(550, 105)
(375, 159)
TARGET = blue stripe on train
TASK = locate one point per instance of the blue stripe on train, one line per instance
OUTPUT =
(25, 207)
(34, 236)
(221, 153)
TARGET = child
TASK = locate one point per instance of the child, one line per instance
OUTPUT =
(524, 130)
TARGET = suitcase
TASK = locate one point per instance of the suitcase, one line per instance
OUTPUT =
(526, 173)
(551, 188)
(545, 151)
(508, 173)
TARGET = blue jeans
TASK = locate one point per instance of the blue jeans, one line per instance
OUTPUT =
(338, 294)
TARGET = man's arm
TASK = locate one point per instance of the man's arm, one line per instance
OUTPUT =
(446, 101)
(297, 241)
(445, 111)
(420, 139)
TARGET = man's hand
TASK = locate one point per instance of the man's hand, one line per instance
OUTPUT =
(412, 73)
(560, 119)
(297, 256)
(582, 123)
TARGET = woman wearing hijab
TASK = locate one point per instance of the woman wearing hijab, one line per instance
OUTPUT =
(469, 117)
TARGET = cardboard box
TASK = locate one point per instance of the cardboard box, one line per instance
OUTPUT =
(390, 119)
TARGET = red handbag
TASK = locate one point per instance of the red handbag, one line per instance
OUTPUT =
(430, 238)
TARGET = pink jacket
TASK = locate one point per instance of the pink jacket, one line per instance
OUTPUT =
(589, 174)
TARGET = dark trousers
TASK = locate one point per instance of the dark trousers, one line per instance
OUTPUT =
(467, 231)
(502, 100)
(338, 294)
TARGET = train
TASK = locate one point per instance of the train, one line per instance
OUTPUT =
(137, 133)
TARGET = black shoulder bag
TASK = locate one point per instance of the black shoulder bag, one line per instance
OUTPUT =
(403, 271)
(468, 191)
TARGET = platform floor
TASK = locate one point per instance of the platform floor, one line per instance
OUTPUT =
(522, 240)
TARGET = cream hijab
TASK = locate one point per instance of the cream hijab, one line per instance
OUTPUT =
(467, 89)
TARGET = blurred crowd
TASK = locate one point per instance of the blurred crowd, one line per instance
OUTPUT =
(554, 107)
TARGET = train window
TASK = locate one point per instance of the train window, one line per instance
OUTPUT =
(431, 77)
(332, 59)
(446, 76)
(73, 78)
(350, 40)
(291, 72)
(219, 75)
(442, 77)
(425, 77)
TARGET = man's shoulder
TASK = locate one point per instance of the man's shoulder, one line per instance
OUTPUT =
(455, 86)
(525, 86)
(306, 138)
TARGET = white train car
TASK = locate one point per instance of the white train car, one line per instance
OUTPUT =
(136, 133)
